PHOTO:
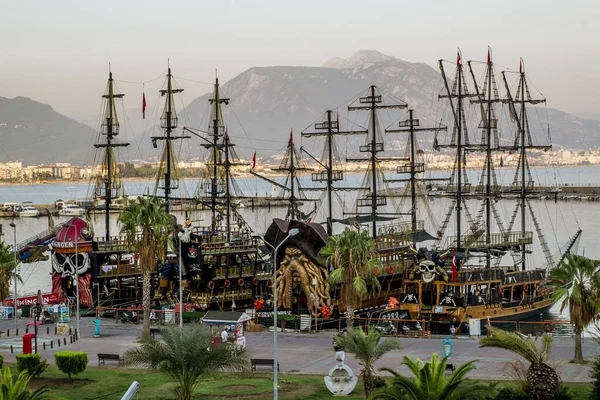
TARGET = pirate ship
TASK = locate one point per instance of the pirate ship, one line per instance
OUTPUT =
(465, 276)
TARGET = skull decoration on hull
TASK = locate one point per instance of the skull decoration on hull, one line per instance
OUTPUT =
(70, 257)
(429, 265)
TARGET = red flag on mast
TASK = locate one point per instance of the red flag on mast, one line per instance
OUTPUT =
(291, 136)
(254, 161)
(143, 105)
(458, 59)
(454, 268)
(489, 56)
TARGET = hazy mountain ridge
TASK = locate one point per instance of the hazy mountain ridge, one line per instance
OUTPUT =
(267, 101)
(34, 133)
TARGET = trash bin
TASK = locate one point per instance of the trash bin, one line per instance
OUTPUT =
(27, 343)
(96, 328)
(25, 311)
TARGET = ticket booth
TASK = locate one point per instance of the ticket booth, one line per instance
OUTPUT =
(233, 321)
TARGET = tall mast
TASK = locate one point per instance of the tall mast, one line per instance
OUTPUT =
(459, 152)
(411, 125)
(168, 123)
(488, 191)
(523, 155)
(373, 147)
(217, 123)
(292, 163)
(109, 128)
(226, 165)
(329, 175)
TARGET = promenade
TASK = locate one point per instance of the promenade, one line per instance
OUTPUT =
(309, 353)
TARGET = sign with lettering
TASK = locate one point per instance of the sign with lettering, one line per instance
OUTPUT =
(31, 300)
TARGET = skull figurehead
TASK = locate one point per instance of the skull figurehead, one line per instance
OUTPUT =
(70, 249)
(427, 270)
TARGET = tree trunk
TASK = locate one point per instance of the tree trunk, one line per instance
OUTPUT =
(349, 316)
(368, 382)
(578, 351)
(146, 281)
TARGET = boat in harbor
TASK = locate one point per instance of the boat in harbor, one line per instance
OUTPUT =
(69, 210)
(465, 275)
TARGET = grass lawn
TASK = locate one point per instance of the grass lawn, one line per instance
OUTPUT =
(111, 383)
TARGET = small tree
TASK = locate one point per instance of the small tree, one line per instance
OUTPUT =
(31, 363)
(70, 362)
(185, 355)
(354, 256)
(367, 349)
(17, 389)
(431, 383)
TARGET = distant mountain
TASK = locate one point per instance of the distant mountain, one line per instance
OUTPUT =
(268, 101)
(34, 133)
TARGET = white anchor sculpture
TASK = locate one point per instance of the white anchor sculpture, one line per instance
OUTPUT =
(341, 381)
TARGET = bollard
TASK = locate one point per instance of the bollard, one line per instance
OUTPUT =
(7, 332)
(47, 330)
(58, 342)
(11, 348)
(55, 330)
(26, 329)
(52, 344)
(44, 345)
(70, 331)
(65, 341)
(17, 332)
(76, 334)
(71, 339)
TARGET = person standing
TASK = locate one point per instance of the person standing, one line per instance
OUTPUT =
(224, 335)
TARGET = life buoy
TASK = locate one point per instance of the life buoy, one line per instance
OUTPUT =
(536, 286)
(227, 283)
(136, 256)
(548, 327)
(211, 285)
(255, 281)
(526, 287)
(269, 284)
(390, 270)
(241, 282)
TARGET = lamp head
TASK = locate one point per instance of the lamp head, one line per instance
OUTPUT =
(12, 225)
(293, 232)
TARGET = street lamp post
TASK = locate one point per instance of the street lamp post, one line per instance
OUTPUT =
(292, 232)
(180, 288)
(77, 280)
(15, 302)
(38, 309)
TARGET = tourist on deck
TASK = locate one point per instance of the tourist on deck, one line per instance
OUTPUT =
(224, 335)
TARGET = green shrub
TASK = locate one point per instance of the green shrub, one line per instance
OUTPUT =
(70, 362)
(32, 363)
(1, 360)
(378, 382)
(596, 377)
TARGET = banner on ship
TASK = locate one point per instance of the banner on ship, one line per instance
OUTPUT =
(31, 300)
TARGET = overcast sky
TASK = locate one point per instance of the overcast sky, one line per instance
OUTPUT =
(57, 52)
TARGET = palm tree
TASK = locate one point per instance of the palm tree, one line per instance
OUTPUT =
(354, 256)
(542, 381)
(185, 355)
(431, 383)
(7, 269)
(145, 223)
(578, 281)
(367, 349)
(17, 390)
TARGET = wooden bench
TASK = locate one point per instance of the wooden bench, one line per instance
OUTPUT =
(262, 361)
(154, 331)
(103, 356)
(418, 334)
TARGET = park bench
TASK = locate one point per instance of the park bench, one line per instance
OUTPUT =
(154, 330)
(103, 356)
(450, 367)
(262, 361)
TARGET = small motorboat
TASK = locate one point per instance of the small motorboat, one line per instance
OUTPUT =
(29, 211)
(71, 210)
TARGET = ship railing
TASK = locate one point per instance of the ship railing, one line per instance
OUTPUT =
(400, 228)
(158, 317)
(113, 245)
(41, 235)
(497, 239)
(535, 328)
(392, 242)
(119, 270)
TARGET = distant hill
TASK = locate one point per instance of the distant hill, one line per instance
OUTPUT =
(269, 100)
(34, 133)
(265, 103)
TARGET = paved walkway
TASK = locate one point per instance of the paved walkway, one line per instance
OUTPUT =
(309, 353)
